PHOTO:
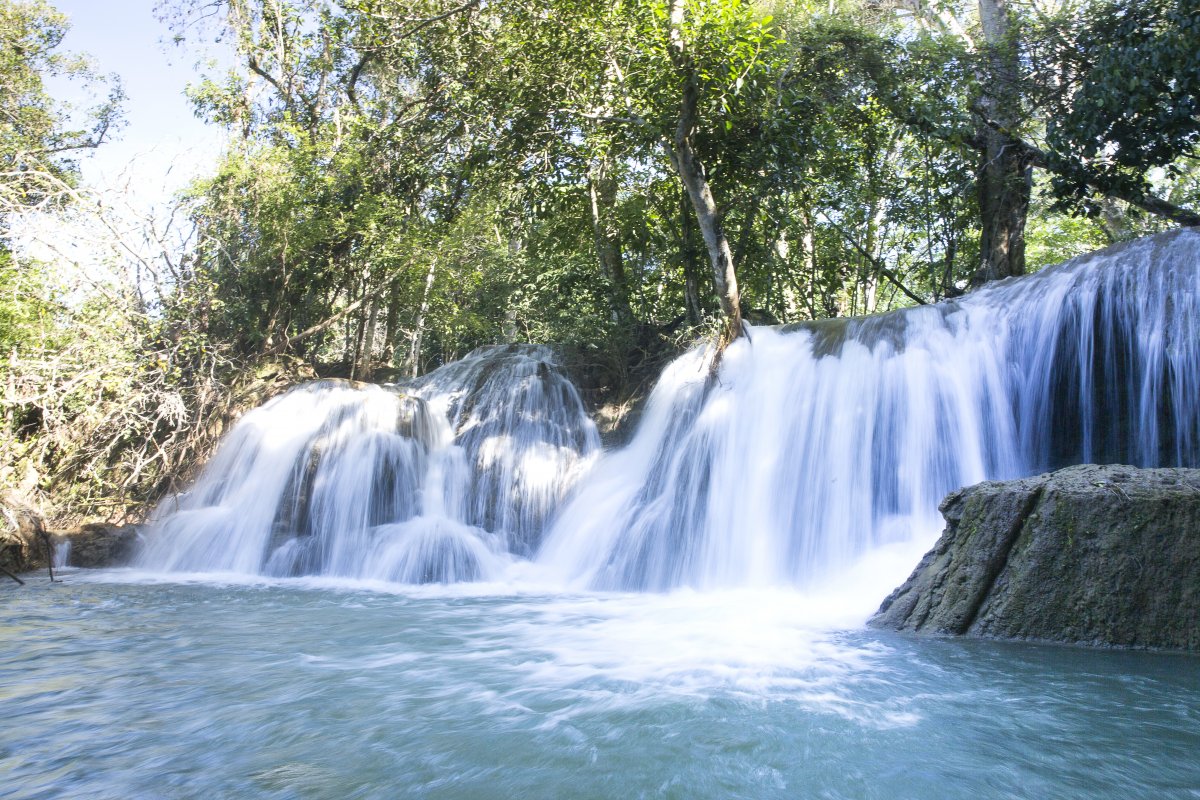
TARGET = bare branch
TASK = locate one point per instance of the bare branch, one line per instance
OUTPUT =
(875, 262)
(320, 326)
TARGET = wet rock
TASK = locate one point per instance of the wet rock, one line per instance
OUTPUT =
(97, 545)
(1099, 555)
(24, 543)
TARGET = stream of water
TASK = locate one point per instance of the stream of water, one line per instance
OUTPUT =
(119, 685)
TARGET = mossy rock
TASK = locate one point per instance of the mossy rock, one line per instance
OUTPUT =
(1100, 555)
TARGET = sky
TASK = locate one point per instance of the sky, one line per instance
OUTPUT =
(159, 148)
(162, 144)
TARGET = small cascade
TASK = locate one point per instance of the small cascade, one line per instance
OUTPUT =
(385, 483)
(819, 442)
(523, 432)
(62, 553)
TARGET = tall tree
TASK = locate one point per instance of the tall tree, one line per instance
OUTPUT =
(1095, 94)
(693, 174)
(1125, 100)
(1005, 180)
(39, 136)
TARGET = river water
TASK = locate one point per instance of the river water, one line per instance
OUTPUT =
(124, 685)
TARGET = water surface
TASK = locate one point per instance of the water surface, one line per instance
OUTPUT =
(113, 685)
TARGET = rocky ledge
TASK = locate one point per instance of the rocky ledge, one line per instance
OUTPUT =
(1098, 555)
(26, 545)
(100, 545)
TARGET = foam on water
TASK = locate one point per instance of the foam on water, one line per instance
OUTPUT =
(298, 687)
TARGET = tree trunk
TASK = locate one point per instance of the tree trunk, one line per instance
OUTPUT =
(391, 326)
(691, 171)
(1005, 187)
(809, 243)
(1005, 179)
(791, 296)
(602, 191)
(1113, 222)
(508, 329)
(361, 369)
(688, 254)
(708, 217)
(360, 327)
(414, 353)
(870, 275)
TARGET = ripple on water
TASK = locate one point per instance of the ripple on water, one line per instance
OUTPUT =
(120, 689)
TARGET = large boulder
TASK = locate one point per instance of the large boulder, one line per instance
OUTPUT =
(24, 543)
(1099, 555)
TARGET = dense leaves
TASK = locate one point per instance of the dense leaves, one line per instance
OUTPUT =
(1133, 98)
(415, 179)
(39, 136)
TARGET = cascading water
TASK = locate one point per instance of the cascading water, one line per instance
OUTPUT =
(440, 480)
(521, 426)
(815, 444)
(819, 442)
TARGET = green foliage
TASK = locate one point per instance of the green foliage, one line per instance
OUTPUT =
(39, 135)
(436, 175)
(1053, 238)
(1133, 103)
(29, 307)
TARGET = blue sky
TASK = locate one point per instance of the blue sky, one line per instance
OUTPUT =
(161, 136)
(159, 149)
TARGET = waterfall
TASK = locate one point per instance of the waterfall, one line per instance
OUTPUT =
(519, 421)
(814, 446)
(443, 479)
(818, 442)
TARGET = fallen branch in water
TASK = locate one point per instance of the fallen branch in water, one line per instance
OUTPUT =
(49, 553)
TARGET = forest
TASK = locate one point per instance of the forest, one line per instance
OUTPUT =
(403, 182)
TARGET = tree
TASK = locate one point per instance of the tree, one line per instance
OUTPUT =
(1005, 174)
(1127, 101)
(39, 137)
(712, 91)
(668, 161)
(1065, 91)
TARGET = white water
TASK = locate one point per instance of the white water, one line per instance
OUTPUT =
(256, 687)
(816, 460)
(823, 444)
(440, 481)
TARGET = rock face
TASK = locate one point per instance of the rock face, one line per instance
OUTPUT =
(98, 545)
(26, 545)
(1100, 555)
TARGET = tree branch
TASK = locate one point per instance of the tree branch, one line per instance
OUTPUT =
(256, 68)
(288, 341)
(352, 79)
(421, 24)
(875, 262)
(1037, 157)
